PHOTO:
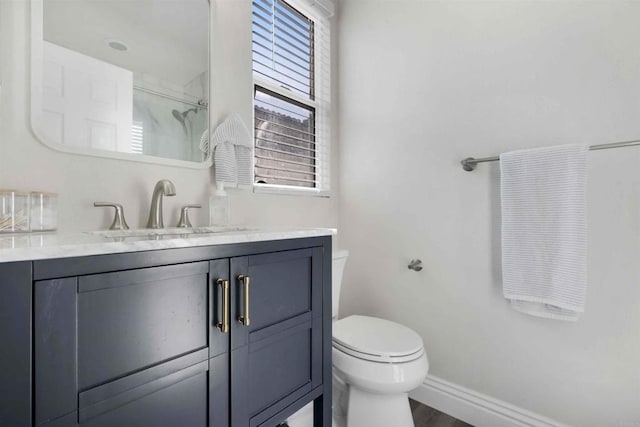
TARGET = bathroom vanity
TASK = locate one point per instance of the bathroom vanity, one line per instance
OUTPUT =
(231, 329)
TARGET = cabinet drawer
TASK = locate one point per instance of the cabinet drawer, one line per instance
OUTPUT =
(170, 394)
(130, 320)
(179, 398)
(181, 404)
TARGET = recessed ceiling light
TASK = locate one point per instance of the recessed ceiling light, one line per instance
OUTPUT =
(117, 45)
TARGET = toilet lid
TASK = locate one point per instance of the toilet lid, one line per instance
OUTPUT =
(376, 339)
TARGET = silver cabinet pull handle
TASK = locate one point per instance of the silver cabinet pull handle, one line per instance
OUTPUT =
(244, 319)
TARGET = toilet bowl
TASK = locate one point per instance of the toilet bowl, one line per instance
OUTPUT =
(376, 362)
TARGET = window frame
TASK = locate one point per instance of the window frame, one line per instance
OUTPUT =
(322, 111)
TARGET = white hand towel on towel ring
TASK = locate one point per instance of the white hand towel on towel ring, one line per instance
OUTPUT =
(233, 153)
(544, 230)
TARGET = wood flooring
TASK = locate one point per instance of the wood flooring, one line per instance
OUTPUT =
(424, 416)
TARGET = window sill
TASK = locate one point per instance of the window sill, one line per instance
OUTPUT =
(290, 191)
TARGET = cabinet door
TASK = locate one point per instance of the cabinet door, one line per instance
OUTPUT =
(219, 339)
(219, 307)
(108, 347)
(276, 357)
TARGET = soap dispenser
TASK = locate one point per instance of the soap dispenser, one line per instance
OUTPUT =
(219, 206)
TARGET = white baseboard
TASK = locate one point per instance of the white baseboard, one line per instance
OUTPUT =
(476, 408)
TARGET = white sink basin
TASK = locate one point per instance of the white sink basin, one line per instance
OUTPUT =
(161, 232)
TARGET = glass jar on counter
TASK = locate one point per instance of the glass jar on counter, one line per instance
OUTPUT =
(14, 211)
(44, 211)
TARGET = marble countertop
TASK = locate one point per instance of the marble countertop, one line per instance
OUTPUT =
(32, 246)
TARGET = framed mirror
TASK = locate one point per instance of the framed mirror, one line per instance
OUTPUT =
(122, 79)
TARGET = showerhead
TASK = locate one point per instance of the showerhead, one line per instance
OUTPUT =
(181, 116)
(178, 115)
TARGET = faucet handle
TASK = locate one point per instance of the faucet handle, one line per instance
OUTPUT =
(184, 216)
(119, 222)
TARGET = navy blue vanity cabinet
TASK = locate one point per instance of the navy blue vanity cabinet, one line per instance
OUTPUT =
(230, 335)
(15, 344)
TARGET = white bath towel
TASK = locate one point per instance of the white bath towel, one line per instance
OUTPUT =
(233, 153)
(544, 230)
(204, 143)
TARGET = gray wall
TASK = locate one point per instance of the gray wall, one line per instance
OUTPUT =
(424, 84)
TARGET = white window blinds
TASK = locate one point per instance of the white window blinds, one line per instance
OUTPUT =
(291, 97)
(137, 137)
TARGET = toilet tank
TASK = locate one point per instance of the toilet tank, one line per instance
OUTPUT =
(339, 260)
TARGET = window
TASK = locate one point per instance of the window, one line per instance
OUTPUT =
(291, 97)
(137, 137)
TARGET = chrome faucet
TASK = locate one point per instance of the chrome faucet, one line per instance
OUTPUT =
(164, 187)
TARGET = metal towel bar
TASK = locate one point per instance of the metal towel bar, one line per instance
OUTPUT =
(470, 163)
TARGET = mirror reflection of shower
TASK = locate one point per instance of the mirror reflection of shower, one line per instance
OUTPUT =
(188, 129)
(171, 120)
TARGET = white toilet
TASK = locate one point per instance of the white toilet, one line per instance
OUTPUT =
(376, 363)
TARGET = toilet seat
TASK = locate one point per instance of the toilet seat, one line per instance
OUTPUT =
(378, 358)
(376, 340)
